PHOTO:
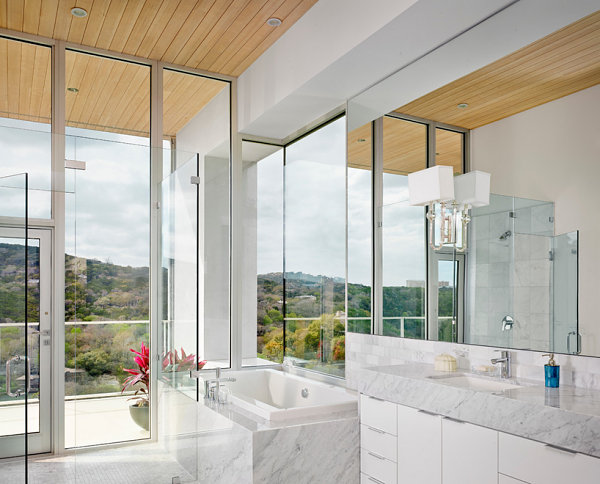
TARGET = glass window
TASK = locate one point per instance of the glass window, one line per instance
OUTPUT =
(449, 149)
(403, 235)
(107, 242)
(315, 255)
(262, 318)
(25, 121)
(360, 175)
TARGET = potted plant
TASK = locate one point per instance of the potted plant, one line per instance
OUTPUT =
(139, 411)
(171, 362)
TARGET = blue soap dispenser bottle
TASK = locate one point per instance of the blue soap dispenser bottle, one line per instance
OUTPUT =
(552, 372)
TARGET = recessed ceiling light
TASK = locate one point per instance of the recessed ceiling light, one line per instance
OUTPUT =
(274, 22)
(462, 105)
(79, 12)
(72, 89)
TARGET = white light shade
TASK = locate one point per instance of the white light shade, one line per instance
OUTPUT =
(432, 185)
(472, 189)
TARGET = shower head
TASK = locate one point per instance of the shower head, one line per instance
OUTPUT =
(505, 235)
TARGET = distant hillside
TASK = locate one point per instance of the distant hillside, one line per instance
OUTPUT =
(96, 290)
(12, 283)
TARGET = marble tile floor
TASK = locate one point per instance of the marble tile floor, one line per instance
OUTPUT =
(136, 464)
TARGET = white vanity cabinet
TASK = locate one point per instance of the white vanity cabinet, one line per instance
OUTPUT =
(402, 445)
(536, 463)
(419, 446)
(470, 453)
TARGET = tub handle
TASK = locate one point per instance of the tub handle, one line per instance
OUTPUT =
(376, 456)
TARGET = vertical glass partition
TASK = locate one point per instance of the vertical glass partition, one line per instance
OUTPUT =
(17, 314)
(179, 277)
(196, 119)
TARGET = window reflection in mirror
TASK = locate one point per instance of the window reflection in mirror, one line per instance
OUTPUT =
(360, 174)
(403, 232)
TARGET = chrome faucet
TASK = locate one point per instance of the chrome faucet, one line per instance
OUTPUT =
(212, 387)
(505, 360)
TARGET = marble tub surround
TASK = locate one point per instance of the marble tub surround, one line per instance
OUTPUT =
(567, 417)
(322, 448)
(311, 453)
(366, 350)
(224, 443)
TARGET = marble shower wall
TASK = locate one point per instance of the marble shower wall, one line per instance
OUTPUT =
(366, 350)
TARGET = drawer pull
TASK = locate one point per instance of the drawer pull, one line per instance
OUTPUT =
(376, 456)
(562, 449)
(454, 420)
(375, 430)
(372, 479)
(375, 398)
(426, 412)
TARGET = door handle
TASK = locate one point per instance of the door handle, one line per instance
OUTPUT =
(19, 392)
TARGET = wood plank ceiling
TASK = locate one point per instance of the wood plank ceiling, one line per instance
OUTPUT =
(404, 147)
(555, 66)
(223, 36)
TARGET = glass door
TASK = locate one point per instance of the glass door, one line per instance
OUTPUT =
(25, 341)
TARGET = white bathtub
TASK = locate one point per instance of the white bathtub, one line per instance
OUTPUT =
(275, 395)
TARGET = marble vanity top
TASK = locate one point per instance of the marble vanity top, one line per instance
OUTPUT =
(566, 417)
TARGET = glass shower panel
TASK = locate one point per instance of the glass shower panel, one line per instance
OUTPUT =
(179, 277)
(564, 331)
(17, 418)
(492, 274)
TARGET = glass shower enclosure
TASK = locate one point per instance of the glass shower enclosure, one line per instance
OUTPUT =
(521, 282)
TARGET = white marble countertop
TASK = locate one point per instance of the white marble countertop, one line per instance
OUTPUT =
(567, 417)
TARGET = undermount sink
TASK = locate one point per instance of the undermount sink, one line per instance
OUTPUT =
(475, 383)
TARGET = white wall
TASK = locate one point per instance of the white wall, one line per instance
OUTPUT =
(340, 48)
(552, 152)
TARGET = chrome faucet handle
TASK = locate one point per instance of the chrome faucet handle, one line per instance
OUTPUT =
(218, 372)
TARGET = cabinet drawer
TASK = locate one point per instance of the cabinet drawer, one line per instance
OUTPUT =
(378, 414)
(364, 479)
(380, 468)
(535, 462)
(379, 442)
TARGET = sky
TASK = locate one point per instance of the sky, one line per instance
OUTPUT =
(111, 198)
(111, 203)
(315, 215)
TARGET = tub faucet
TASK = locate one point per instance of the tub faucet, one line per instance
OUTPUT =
(505, 363)
(212, 387)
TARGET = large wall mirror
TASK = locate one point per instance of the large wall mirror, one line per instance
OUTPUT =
(528, 278)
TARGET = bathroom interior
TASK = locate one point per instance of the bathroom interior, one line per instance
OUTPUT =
(214, 271)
